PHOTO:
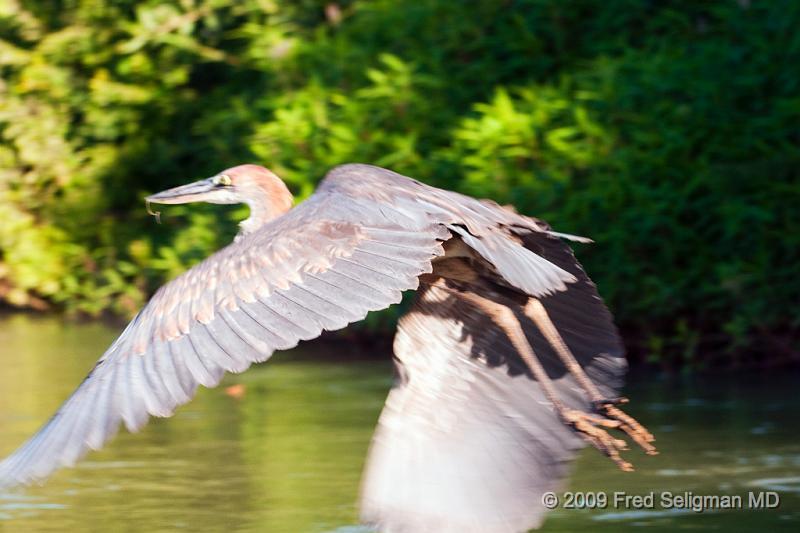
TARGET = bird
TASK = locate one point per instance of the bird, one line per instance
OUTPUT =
(507, 362)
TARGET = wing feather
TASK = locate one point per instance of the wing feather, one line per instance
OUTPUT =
(156, 398)
(332, 316)
(352, 302)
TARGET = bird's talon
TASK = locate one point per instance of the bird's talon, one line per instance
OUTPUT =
(625, 466)
(594, 429)
(632, 428)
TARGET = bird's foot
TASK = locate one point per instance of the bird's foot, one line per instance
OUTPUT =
(637, 432)
(594, 429)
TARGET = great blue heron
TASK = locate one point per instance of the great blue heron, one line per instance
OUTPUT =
(508, 359)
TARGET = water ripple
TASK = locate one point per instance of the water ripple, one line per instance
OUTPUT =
(782, 484)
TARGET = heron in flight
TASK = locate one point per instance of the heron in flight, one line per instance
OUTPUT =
(508, 361)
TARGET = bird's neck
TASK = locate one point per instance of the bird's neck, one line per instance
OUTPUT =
(266, 206)
(253, 222)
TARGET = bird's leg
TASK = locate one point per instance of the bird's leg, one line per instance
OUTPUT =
(608, 407)
(591, 427)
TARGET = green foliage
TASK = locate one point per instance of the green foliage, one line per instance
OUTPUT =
(666, 131)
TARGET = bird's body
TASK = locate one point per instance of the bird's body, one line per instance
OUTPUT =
(502, 358)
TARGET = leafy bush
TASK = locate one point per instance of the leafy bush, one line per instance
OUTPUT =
(667, 131)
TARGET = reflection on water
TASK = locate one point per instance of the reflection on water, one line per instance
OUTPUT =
(286, 456)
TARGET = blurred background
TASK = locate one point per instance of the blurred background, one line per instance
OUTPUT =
(667, 131)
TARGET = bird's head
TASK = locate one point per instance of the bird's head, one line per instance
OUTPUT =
(256, 186)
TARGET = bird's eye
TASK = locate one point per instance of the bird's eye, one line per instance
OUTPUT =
(223, 180)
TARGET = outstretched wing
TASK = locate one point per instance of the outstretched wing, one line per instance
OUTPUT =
(467, 441)
(321, 266)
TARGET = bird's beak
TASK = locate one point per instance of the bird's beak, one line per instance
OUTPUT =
(199, 191)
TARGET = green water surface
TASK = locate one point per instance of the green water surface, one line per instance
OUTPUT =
(287, 455)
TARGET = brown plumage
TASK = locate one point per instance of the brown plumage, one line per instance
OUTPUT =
(508, 360)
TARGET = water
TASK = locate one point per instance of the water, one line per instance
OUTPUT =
(286, 456)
